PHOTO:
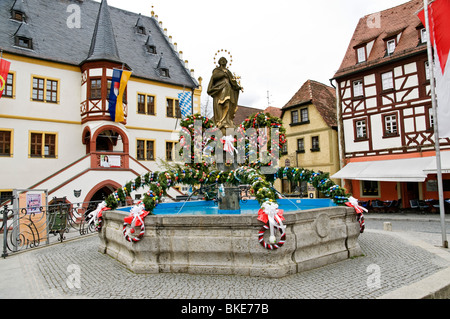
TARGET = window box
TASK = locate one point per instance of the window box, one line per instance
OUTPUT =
(390, 134)
(299, 123)
(390, 125)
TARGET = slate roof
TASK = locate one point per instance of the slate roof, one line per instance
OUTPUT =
(18, 5)
(54, 40)
(322, 96)
(402, 18)
(103, 43)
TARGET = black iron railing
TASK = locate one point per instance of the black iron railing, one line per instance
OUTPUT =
(25, 228)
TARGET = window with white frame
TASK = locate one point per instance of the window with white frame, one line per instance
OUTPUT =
(427, 70)
(361, 52)
(45, 90)
(358, 88)
(361, 129)
(387, 80)
(423, 35)
(9, 86)
(390, 46)
(38, 89)
(390, 124)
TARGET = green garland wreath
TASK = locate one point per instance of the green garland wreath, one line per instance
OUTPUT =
(187, 128)
(201, 173)
(320, 180)
(256, 121)
(261, 186)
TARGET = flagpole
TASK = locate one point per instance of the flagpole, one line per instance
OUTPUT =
(436, 131)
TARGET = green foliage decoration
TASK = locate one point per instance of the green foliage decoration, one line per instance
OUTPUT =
(203, 174)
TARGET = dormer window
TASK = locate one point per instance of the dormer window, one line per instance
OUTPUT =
(361, 54)
(423, 35)
(23, 42)
(163, 68)
(164, 72)
(23, 37)
(150, 45)
(18, 15)
(390, 46)
(140, 30)
(151, 49)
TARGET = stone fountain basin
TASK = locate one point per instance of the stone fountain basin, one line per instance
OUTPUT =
(228, 244)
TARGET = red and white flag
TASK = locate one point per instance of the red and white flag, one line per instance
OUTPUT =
(4, 69)
(439, 30)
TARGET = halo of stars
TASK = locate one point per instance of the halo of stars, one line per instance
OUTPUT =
(220, 53)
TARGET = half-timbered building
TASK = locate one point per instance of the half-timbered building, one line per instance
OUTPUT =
(387, 146)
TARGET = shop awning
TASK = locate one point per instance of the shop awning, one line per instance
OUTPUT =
(445, 164)
(396, 170)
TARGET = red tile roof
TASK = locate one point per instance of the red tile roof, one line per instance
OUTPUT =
(322, 96)
(274, 111)
(243, 112)
(379, 26)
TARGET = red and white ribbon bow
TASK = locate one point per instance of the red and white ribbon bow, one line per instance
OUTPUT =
(137, 215)
(228, 144)
(269, 212)
(353, 202)
(96, 214)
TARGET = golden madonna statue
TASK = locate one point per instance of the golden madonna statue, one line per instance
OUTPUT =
(224, 89)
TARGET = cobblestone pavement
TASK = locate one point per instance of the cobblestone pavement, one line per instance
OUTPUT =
(427, 227)
(47, 272)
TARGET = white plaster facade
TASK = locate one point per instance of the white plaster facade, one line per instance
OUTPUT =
(72, 119)
(22, 115)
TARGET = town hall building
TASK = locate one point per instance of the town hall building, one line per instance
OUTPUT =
(56, 133)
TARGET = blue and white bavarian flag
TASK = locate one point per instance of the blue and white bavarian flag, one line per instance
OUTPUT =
(185, 102)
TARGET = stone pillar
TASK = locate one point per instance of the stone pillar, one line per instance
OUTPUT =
(229, 201)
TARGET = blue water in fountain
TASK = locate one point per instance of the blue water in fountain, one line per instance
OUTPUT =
(247, 207)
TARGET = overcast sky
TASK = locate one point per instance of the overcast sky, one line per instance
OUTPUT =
(276, 45)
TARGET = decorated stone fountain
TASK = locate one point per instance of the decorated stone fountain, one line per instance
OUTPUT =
(216, 158)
